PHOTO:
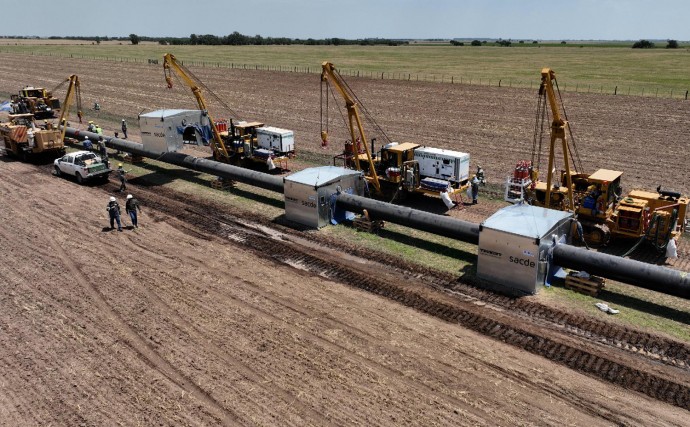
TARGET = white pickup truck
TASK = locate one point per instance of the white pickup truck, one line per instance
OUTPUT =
(84, 165)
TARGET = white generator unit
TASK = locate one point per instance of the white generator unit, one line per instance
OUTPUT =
(308, 193)
(170, 130)
(275, 139)
(514, 246)
(448, 165)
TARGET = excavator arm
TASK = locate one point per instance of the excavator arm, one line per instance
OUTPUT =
(73, 91)
(559, 131)
(170, 65)
(330, 76)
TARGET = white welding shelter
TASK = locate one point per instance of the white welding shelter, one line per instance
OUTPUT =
(308, 193)
(514, 244)
(170, 130)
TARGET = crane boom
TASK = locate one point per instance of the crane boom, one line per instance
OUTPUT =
(559, 128)
(171, 64)
(330, 75)
(73, 91)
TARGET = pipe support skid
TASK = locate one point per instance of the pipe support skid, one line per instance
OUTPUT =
(641, 274)
(212, 167)
(425, 221)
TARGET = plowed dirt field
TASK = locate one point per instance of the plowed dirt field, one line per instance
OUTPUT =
(646, 138)
(207, 316)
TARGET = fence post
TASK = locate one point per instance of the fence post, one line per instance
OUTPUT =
(615, 90)
(686, 94)
(381, 76)
(451, 79)
(499, 82)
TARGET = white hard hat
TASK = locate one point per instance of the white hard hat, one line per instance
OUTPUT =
(86, 137)
(123, 120)
(129, 196)
(112, 198)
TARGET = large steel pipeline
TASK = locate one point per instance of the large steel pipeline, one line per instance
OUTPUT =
(247, 176)
(641, 274)
(425, 221)
(636, 273)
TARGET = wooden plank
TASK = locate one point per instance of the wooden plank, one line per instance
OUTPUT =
(222, 184)
(364, 224)
(133, 159)
(591, 286)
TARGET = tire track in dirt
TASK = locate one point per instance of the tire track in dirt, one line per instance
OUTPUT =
(32, 362)
(578, 359)
(265, 313)
(213, 347)
(139, 346)
(202, 266)
(545, 343)
(593, 407)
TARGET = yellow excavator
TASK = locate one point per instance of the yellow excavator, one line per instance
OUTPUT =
(396, 168)
(597, 199)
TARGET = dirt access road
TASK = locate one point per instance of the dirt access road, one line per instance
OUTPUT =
(178, 323)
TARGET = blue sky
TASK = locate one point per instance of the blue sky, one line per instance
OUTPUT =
(525, 19)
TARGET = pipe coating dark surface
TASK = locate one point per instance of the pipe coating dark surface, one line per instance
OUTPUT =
(438, 224)
(640, 274)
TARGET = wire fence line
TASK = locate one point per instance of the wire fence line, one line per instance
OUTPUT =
(654, 92)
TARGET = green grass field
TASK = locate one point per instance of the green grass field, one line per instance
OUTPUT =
(585, 67)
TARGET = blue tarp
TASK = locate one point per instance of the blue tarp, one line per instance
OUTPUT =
(5, 106)
(204, 131)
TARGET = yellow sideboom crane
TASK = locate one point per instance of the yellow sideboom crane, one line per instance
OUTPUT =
(171, 64)
(559, 130)
(331, 76)
(73, 91)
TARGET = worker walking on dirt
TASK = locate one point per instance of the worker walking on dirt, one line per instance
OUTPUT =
(131, 207)
(114, 212)
(121, 176)
(124, 128)
(475, 189)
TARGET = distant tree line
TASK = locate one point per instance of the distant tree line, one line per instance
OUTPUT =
(234, 39)
(237, 39)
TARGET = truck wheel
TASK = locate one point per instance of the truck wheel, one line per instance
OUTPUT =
(58, 172)
(80, 180)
